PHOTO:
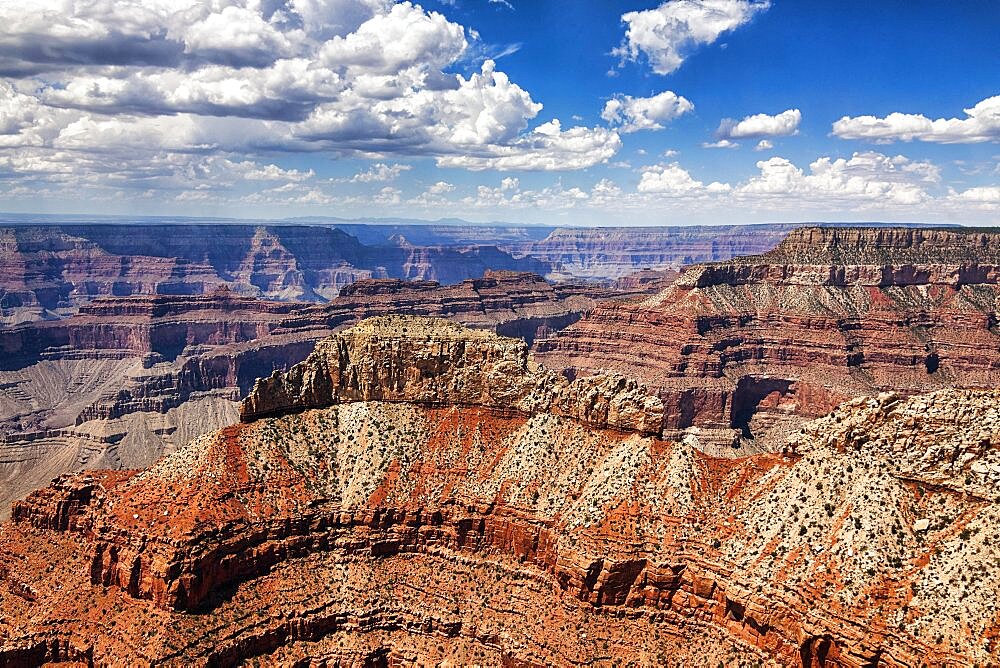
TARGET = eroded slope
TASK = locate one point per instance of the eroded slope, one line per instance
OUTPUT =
(753, 346)
(445, 525)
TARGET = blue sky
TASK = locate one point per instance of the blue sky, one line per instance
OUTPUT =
(596, 113)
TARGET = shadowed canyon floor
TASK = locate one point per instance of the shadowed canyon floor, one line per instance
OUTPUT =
(416, 491)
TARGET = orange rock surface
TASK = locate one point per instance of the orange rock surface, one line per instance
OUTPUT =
(447, 529)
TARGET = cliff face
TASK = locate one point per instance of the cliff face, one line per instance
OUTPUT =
(129, 379)
(611, 253)
(753, 345)
(52, 270)
(887, 257)
(428, 516)
(428, 361)
(59, 268)
(600, 254)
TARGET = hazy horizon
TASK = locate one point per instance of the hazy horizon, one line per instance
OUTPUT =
(14, 218)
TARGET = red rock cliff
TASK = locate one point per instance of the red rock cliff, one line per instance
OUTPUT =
(476, 534)
(756, 343)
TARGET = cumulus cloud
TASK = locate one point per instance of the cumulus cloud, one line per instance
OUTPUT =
(722, 143)
(436, 195)
(547, 147)
(763, 145)
(761, 125)
(870, 178)
(380, 172)
(674, 180)
(142, 85)
(254, 172)
(981, 124)
(553, 198)
(631, 114)
(670, 33)
(864, 182)
(987, 195)
(441, 188)
(56, 35)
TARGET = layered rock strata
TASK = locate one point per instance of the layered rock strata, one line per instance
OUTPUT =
(131, 378)
(610, 253)
(48, 270)
(439, 526)
(427, 361)
(752, 346)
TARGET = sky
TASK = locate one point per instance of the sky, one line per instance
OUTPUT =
(590, 112)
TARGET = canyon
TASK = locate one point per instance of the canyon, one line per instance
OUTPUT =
(595, 253)
(48, 269)
(744, 350)
(416, 491)
(128, 379)
(785, 457)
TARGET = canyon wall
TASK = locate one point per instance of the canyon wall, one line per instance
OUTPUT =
(129, 379)
(48, 270)
(417, 519)
(593, 253)
(751, 346)
(610, 253)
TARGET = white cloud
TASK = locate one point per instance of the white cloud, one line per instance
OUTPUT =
(547, 147)
(761, 125)
(982, 124)
(405, 37)
(388, 196)
(763, 145)
(380, 172)
(554, 198)
(255, 172)
(722, 143)
(669, 34)
(869, 178)
(111, 90)
(631, 114)
(674, 180)
(989, 195)
(441, 188)
(605, 191)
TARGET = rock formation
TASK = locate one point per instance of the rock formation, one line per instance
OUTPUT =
(48, 271)
(416, 492)
(435, 362)
(593, 253)
(750, 347)
(131, 378)
(611, 253)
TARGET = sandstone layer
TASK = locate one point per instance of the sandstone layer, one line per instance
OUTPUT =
(752, 346)
(424, 516)
(427, 361)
